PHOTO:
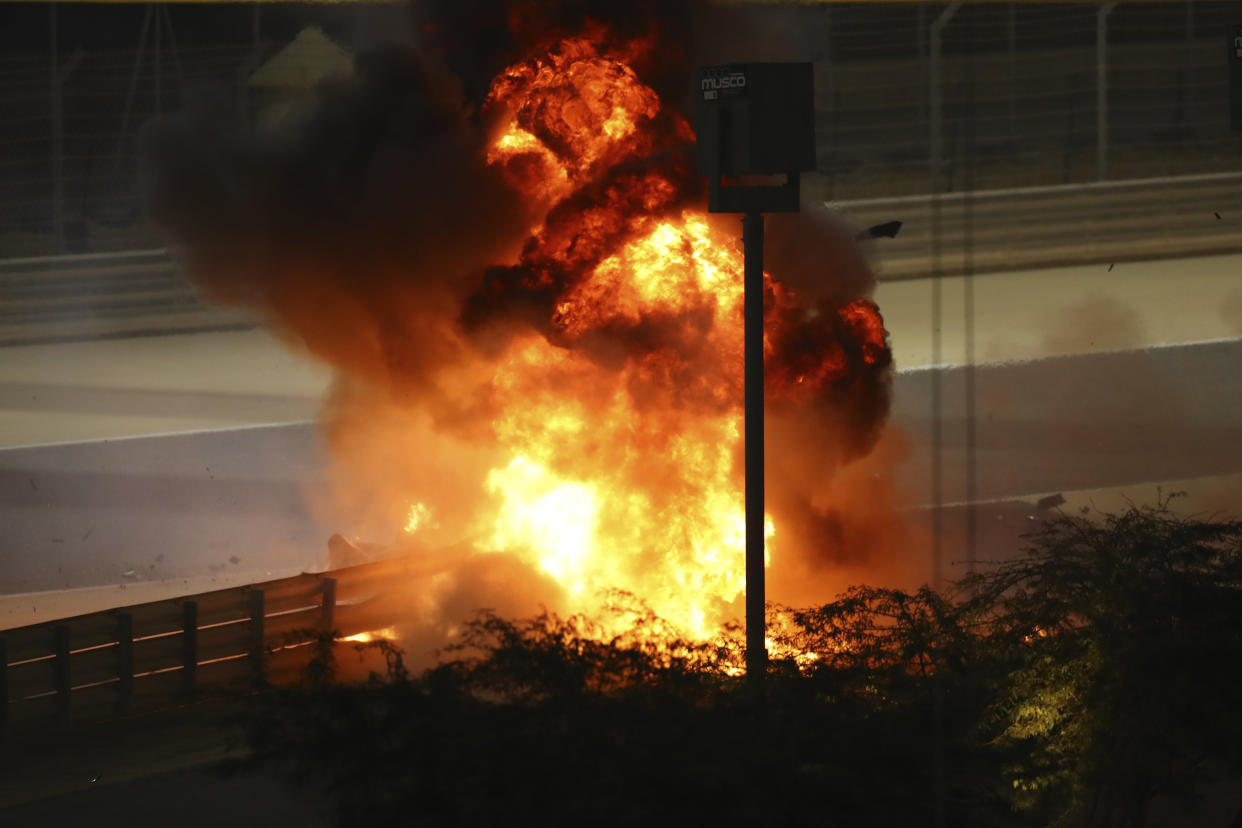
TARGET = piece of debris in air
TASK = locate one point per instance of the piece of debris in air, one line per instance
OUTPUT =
(1110, 268)
(887, 230)
(1050, 502)
(1216, 214)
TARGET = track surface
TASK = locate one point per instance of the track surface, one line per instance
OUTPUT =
(136, 468)
(135, 461)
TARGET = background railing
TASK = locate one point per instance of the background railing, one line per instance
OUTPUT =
(58, 298)
(1039, 227)
(952, 96)
(156, 654)
(911, 98)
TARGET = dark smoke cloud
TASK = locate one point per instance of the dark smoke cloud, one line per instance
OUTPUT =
(369, 230)
(354, 227)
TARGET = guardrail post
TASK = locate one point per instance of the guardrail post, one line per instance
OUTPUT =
(1101, 90)
(329, 604)
(124, 661)
(189, 639)
(257, 667)
(61, 644)
(4, 686)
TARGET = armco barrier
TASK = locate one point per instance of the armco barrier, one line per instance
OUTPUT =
(150, 655)
(1038, 227)
(59, 298)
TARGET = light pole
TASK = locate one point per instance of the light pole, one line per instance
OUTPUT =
(755, 125)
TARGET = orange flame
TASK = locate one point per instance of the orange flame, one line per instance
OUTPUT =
(620, 414)
(386, 634)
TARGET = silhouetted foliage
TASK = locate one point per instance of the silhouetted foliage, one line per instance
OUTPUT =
(1077, 685)
(1120, 639)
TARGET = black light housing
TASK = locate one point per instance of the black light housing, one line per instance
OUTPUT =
(755, 119)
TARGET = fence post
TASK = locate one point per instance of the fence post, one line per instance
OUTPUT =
(4, 687)
(936, 181)
(61, 639)
(257, 667)
(829, 95)
(920, 40)
(124, 661)
(329, 604)
(1011, 41)
(58, 150)
(189, 639)
(1101, 90)
(1188, 76)
(936, 114)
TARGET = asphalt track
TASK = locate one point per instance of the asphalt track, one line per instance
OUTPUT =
(163, 464)
(132, 461)
(134, 469)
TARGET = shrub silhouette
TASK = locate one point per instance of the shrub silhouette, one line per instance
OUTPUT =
(1085, 683)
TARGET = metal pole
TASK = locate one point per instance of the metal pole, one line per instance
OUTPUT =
(831, 97)
(172, 45)
(934, 93)
(124, 661)
(159, 79)
(1013, 73)
(1188, 61)
(129, 97)
(937, 481)
(1101, 90)
(58, 138)
(968, 290)
(4, 687)
(935, 182)
(258, 611)
(920, 38)
(756, 645)
(189, 646)
(64, 684)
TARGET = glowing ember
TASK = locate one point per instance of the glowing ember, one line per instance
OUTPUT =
(418, 515)
(386, 634)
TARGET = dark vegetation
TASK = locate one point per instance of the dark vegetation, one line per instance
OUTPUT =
(1091, 682)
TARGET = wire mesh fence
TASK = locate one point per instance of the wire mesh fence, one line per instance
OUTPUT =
(69, 164)
(986, 95)
(1023, 95)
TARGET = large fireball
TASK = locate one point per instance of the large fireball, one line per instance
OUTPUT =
(537, 329)
(621, 408)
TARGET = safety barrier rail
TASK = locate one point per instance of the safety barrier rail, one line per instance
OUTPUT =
(155, 654)
(1035, 227)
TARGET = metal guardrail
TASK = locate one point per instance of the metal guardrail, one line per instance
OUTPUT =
(1036, 227)
(92, 296)
(148, 656)
(62, 298)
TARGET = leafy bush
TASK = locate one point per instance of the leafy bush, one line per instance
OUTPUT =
(1076, 685)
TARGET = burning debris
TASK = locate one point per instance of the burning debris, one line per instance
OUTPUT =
(887, 230)
(528, 297)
